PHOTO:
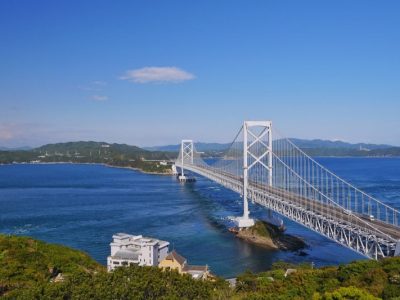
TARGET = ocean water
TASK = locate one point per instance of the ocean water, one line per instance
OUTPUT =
(82, 206)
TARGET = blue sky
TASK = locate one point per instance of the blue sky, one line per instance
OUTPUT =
(153, 72)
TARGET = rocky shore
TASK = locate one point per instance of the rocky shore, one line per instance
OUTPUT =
(269, 236)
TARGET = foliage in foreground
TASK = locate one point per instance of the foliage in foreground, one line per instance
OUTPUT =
(24, 262)
(28, 268)
(126, 283)
(366, 279)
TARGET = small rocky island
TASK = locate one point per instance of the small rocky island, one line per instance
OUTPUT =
(269, 236)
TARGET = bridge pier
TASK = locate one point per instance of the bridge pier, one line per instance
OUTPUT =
(397, 249)
(184, 178)
(174, 170)
(244, 222)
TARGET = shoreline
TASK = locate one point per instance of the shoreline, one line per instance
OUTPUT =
(87, 163)
(135, 169)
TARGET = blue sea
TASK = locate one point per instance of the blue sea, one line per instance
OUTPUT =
(82, 206)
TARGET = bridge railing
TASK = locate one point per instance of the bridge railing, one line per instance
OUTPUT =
(296, 173)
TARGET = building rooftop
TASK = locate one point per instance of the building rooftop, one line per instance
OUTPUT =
(195, 271)
(126, 254)
(123, 236)
(192, 268)
(176, 256)
(163, 243)
(126, 239)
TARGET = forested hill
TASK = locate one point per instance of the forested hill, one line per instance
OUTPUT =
(31, 269)
(99, 149)
(91, 152)
(84, 146)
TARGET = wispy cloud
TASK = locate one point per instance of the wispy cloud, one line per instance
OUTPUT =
(94, 86)
(99, 98)
(7, 131)
(157, 74)
(99, 82)
(15, 134)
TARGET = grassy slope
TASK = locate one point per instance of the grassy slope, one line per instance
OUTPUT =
(25, 261)
(262, 229)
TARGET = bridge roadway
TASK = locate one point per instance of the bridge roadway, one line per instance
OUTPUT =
(378, 228)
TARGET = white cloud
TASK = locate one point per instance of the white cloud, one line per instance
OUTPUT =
(99, 98)
(157, 74)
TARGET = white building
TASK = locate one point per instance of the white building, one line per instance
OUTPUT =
(127, 249)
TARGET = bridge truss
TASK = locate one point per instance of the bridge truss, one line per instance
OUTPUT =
(273, 172)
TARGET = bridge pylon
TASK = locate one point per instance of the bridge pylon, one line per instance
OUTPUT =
(257, 153)
(187, 150)
(281, 177)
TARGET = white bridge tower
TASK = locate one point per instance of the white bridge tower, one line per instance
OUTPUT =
(257, 151)
(186, 157)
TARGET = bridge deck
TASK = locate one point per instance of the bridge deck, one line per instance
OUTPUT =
(332, 211)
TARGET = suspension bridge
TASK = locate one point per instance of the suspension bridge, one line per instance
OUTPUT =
(273, 172)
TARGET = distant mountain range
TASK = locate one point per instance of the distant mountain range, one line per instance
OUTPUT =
(101, 151)
(199, 147)
(15, 148)
(301, 143)
(315, 147)
(318, 143)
